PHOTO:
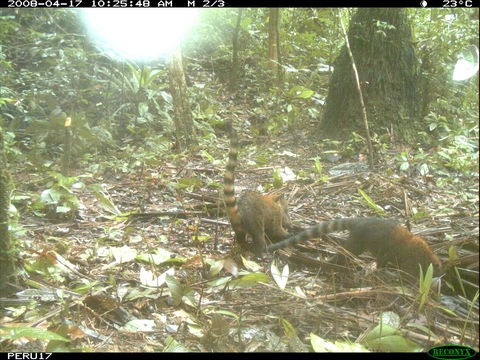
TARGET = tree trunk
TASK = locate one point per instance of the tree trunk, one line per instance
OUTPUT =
(381, 45)
(274, 42)
(234, 72)
(7, 253)
(184, 129)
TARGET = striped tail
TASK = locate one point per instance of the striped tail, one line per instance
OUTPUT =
(323, 227)
(229, 180)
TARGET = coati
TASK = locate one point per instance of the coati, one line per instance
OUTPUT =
(255, 214)
(385, 239)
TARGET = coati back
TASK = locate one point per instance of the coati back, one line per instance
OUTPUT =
(255, 214)
(385, 239)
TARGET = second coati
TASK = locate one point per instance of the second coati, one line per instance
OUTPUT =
(254, 214)
(385, 239)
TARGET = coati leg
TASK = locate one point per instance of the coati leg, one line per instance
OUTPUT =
(240, 239)
(356, 243)
(259, 244)
(258, 235)
(353, 245)
(278, 232)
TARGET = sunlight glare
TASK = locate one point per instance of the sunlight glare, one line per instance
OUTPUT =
(137, 34)
(467, 64)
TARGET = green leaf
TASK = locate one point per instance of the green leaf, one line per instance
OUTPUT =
(189, 296)
(277, 179)
(448, 311)
(318, 166)
(425, 284)
(371, 203)
(452, 253)
(106, 203)
(424, 170)
(142, 109)
(123, 254)
(188, 183)
(321, 345)
(148, 278)
(251, 265)
(390, 318)
(294, 341)
(57, 346)
(423, 328)
(216, 267)
(262, 160)
(380, 331)
(63, 209)
(288, 328)
(85, 287)
(201, 237)
(139, 325)
(208, 156)
(299, 92)
(219, 282)
(387, 338)
(161, 256)
(50, 196)
(419, 215)
(172, 345)
(227, 313)
(176, 289)
(19, 332)
(404, 166)
(394, 343)
(249, 280)
(137, 293)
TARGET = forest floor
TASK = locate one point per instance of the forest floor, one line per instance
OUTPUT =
(163, 277)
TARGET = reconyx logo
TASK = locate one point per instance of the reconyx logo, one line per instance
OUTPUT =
(456, 352)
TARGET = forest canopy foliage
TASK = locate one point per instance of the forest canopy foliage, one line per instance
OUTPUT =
(50, 70)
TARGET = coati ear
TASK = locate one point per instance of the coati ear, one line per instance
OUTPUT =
(276, 197)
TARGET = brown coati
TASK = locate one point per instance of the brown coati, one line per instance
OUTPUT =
(385, 239)
(255, 214)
